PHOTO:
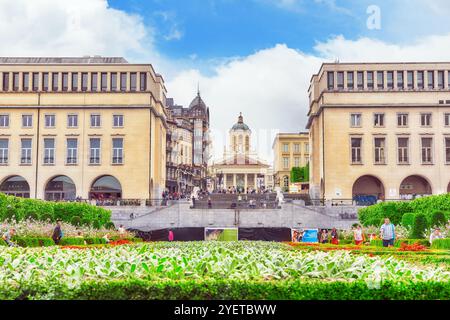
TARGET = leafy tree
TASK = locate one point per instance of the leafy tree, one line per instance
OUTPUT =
(408, 220)
(296, 174)
(438, 219)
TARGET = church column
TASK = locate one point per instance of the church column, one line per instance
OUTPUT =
(245, 184)
(224, 181)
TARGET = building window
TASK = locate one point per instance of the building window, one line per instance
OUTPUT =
(84, 81)
(420, 80)
(26, 81)
(370, 83)
(35, 81)
(4, 151)
(378, 120)
(425, 119)
(113, 81)
(410, 79)
(133, 81)
(54, 81)
(15, 81)
(403, 150)
(330, 76)
(350, 80)
(440, 80)
(380, 150)
(117, 121)
(94, 81)
(427, 156)
(143, 83)
(104, 81)
(446, 119)
(72, 151)
(75, 81)
(380, 80)
(65, 81)
(400, 80)
(123, 81)
(355, 120)
(360, 80)
(4, 120)
(402, 119)
(296, 148)
(117, 151)
(286, 182)
(50, 120)
(95, 121)
(5, 81)
(431, 80)
(72, 120)
(286, 163)
(340, 80)
(25, 157)
(285, 147)
(49, 151)
(356, 150)
(94, 155)
(296, 162)
(447, 150)
(306, 147)
(27, 121)
(390, 79)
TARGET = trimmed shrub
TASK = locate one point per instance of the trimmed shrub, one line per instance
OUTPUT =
(97, 224)
(408, 220)
(420, 226)
(441, 244)
(76, 221)
(398, 243)
(438, 219)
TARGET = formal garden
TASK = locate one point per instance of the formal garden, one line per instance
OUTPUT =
(84, 266)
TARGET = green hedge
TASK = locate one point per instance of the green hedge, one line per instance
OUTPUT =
(371, 216)
(441, 244)
(300, 289)
(398, 243)
(33, 242)
(83, 213)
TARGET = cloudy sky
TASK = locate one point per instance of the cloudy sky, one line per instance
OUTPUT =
(250, 56)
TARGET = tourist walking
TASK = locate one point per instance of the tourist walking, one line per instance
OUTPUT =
(57, 233)
(436, 234)
(324, 236)
(334, 236)
(358, 235)
(121, 231)
(387, 231)
(171, 236)
(8, 235)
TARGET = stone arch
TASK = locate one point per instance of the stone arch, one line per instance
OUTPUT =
(15, 186)
(60, 188)
(415, 185)
(106, 187)
(367, 190)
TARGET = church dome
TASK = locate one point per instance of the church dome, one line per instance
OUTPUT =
(197, 102)
(240, 125)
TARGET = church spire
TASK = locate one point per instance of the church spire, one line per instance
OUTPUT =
(241, 118)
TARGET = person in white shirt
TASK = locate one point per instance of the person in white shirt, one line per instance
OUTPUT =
(436, 234)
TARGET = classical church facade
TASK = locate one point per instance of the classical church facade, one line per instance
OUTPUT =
(240, 168)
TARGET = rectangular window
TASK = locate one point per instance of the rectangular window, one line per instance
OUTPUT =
(118, 121)
(330, 77)
(420, 80)
(35, 81)
(285, 147)
(27, 121)
(5, 81)
(286, 163)
(54, 81)
(95, 121)
(143, 83)
(75, 81)
(403, 150)
(133, 81)
(49, 151)
(340, 80)
(117, 151)
(306, 147)
(390, 79)
(50, 120)
(427, 154)
(355, 120)
(410, 79)
(4, 121)
(356, 150)
(380, 150)
(4, 151)
(104, 81)
(25, 157)
(296, 148)
(296, 162)
(72, 151)
(45, 81)
(447, 150)
(84, 81)
(400, 80)
(425, 119)
(446, 119)
(65, 81)
(15, 81)
(440, 79)
(350, 80)
(378, 119)
(72, 120)
(380, 80)
(94, 79)
(360, 79)
(113, 81)
(430, 80)
(123, 81)
(370, 80)
(402, 119)
(94, 155)
(25, 81)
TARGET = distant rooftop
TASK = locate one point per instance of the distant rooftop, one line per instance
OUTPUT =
(63, 60)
